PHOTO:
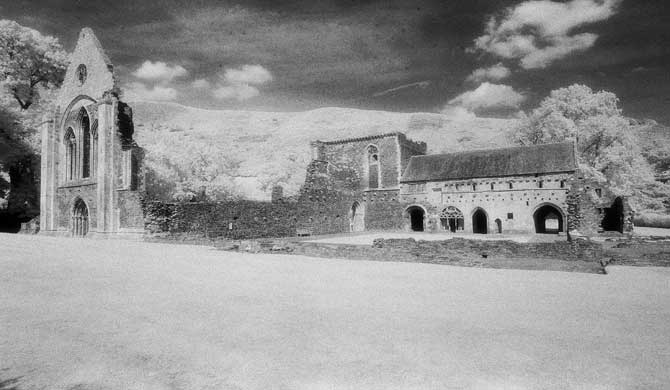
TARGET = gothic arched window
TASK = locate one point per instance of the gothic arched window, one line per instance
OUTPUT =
(94, 148)
(373, 167)
(86, 147)
(70, 154)
(452, 219)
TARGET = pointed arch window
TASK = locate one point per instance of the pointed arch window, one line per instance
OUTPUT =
(373, 167)
(94, 148)
(86, 144)
(70, 154)
(452, 219)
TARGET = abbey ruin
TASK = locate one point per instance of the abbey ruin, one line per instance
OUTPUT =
(93, 181)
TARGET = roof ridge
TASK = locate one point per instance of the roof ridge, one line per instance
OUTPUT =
(494, 149)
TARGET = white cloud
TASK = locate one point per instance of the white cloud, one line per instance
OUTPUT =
(139, 91)
(247, 74)
(238, 92)
(159, 71)
(201, 84)
(489, 96)
(494, 73)
(537, 31)
(241, 83)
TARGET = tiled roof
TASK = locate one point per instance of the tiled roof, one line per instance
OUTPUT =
(520, 160)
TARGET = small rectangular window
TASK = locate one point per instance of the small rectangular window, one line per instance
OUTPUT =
(510, 185)
(492, 187)
(539, 183)
(510, 215)
(599, 192)
(562, 183)
(474, 187)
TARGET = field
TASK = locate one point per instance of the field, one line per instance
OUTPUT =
(90, 314)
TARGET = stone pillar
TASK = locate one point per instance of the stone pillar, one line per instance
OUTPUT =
(106, 167)
(49, 171)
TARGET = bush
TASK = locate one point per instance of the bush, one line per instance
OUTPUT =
(652, 220)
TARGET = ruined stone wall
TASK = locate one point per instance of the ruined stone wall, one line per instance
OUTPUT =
(130, 209)
(235, 219)
(587, 201)
(352, 156)
(338, 178)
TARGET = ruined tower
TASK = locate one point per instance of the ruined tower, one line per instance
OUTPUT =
(91, 182)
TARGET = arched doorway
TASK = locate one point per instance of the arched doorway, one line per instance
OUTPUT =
(452, 219)
(498, 225)
(357, 219)
(548, 219)
(416, 217)
(79, 218)
(613, 219)
(480, 222)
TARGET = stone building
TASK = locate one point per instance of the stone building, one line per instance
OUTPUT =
(509, 190)
(91, 182)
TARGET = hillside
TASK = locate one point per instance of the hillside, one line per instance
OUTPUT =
(245, 152)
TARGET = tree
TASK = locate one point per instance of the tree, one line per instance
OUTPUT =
(29, 60)
(607, 148)
(32, 66)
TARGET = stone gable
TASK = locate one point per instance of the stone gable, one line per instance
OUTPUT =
(99, 74)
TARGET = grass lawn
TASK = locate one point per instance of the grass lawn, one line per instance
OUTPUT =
(90, 314)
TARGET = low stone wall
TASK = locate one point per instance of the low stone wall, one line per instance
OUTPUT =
(581, 256)
(562, 250)
(235, 220)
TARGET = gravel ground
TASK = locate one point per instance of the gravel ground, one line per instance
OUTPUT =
(90, 314)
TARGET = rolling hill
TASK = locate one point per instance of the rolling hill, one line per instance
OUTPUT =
(244, 153)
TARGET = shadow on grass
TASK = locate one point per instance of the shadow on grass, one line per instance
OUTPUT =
(10, 384)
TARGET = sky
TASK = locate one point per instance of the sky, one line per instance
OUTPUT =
(463, 58)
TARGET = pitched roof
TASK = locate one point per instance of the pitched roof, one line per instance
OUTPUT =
(520, 160)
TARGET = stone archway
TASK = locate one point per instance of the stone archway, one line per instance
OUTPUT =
(79, 218)
(416, 218)
(548, 219)
(613, 219)
(498, 225)
(480, 221)
(357, 218)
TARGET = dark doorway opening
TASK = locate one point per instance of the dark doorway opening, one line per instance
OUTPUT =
(479, 222)
(357, 222)
(548, 220)
(499, 225)
(613, 219)
(416, 215)
(79, 218)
